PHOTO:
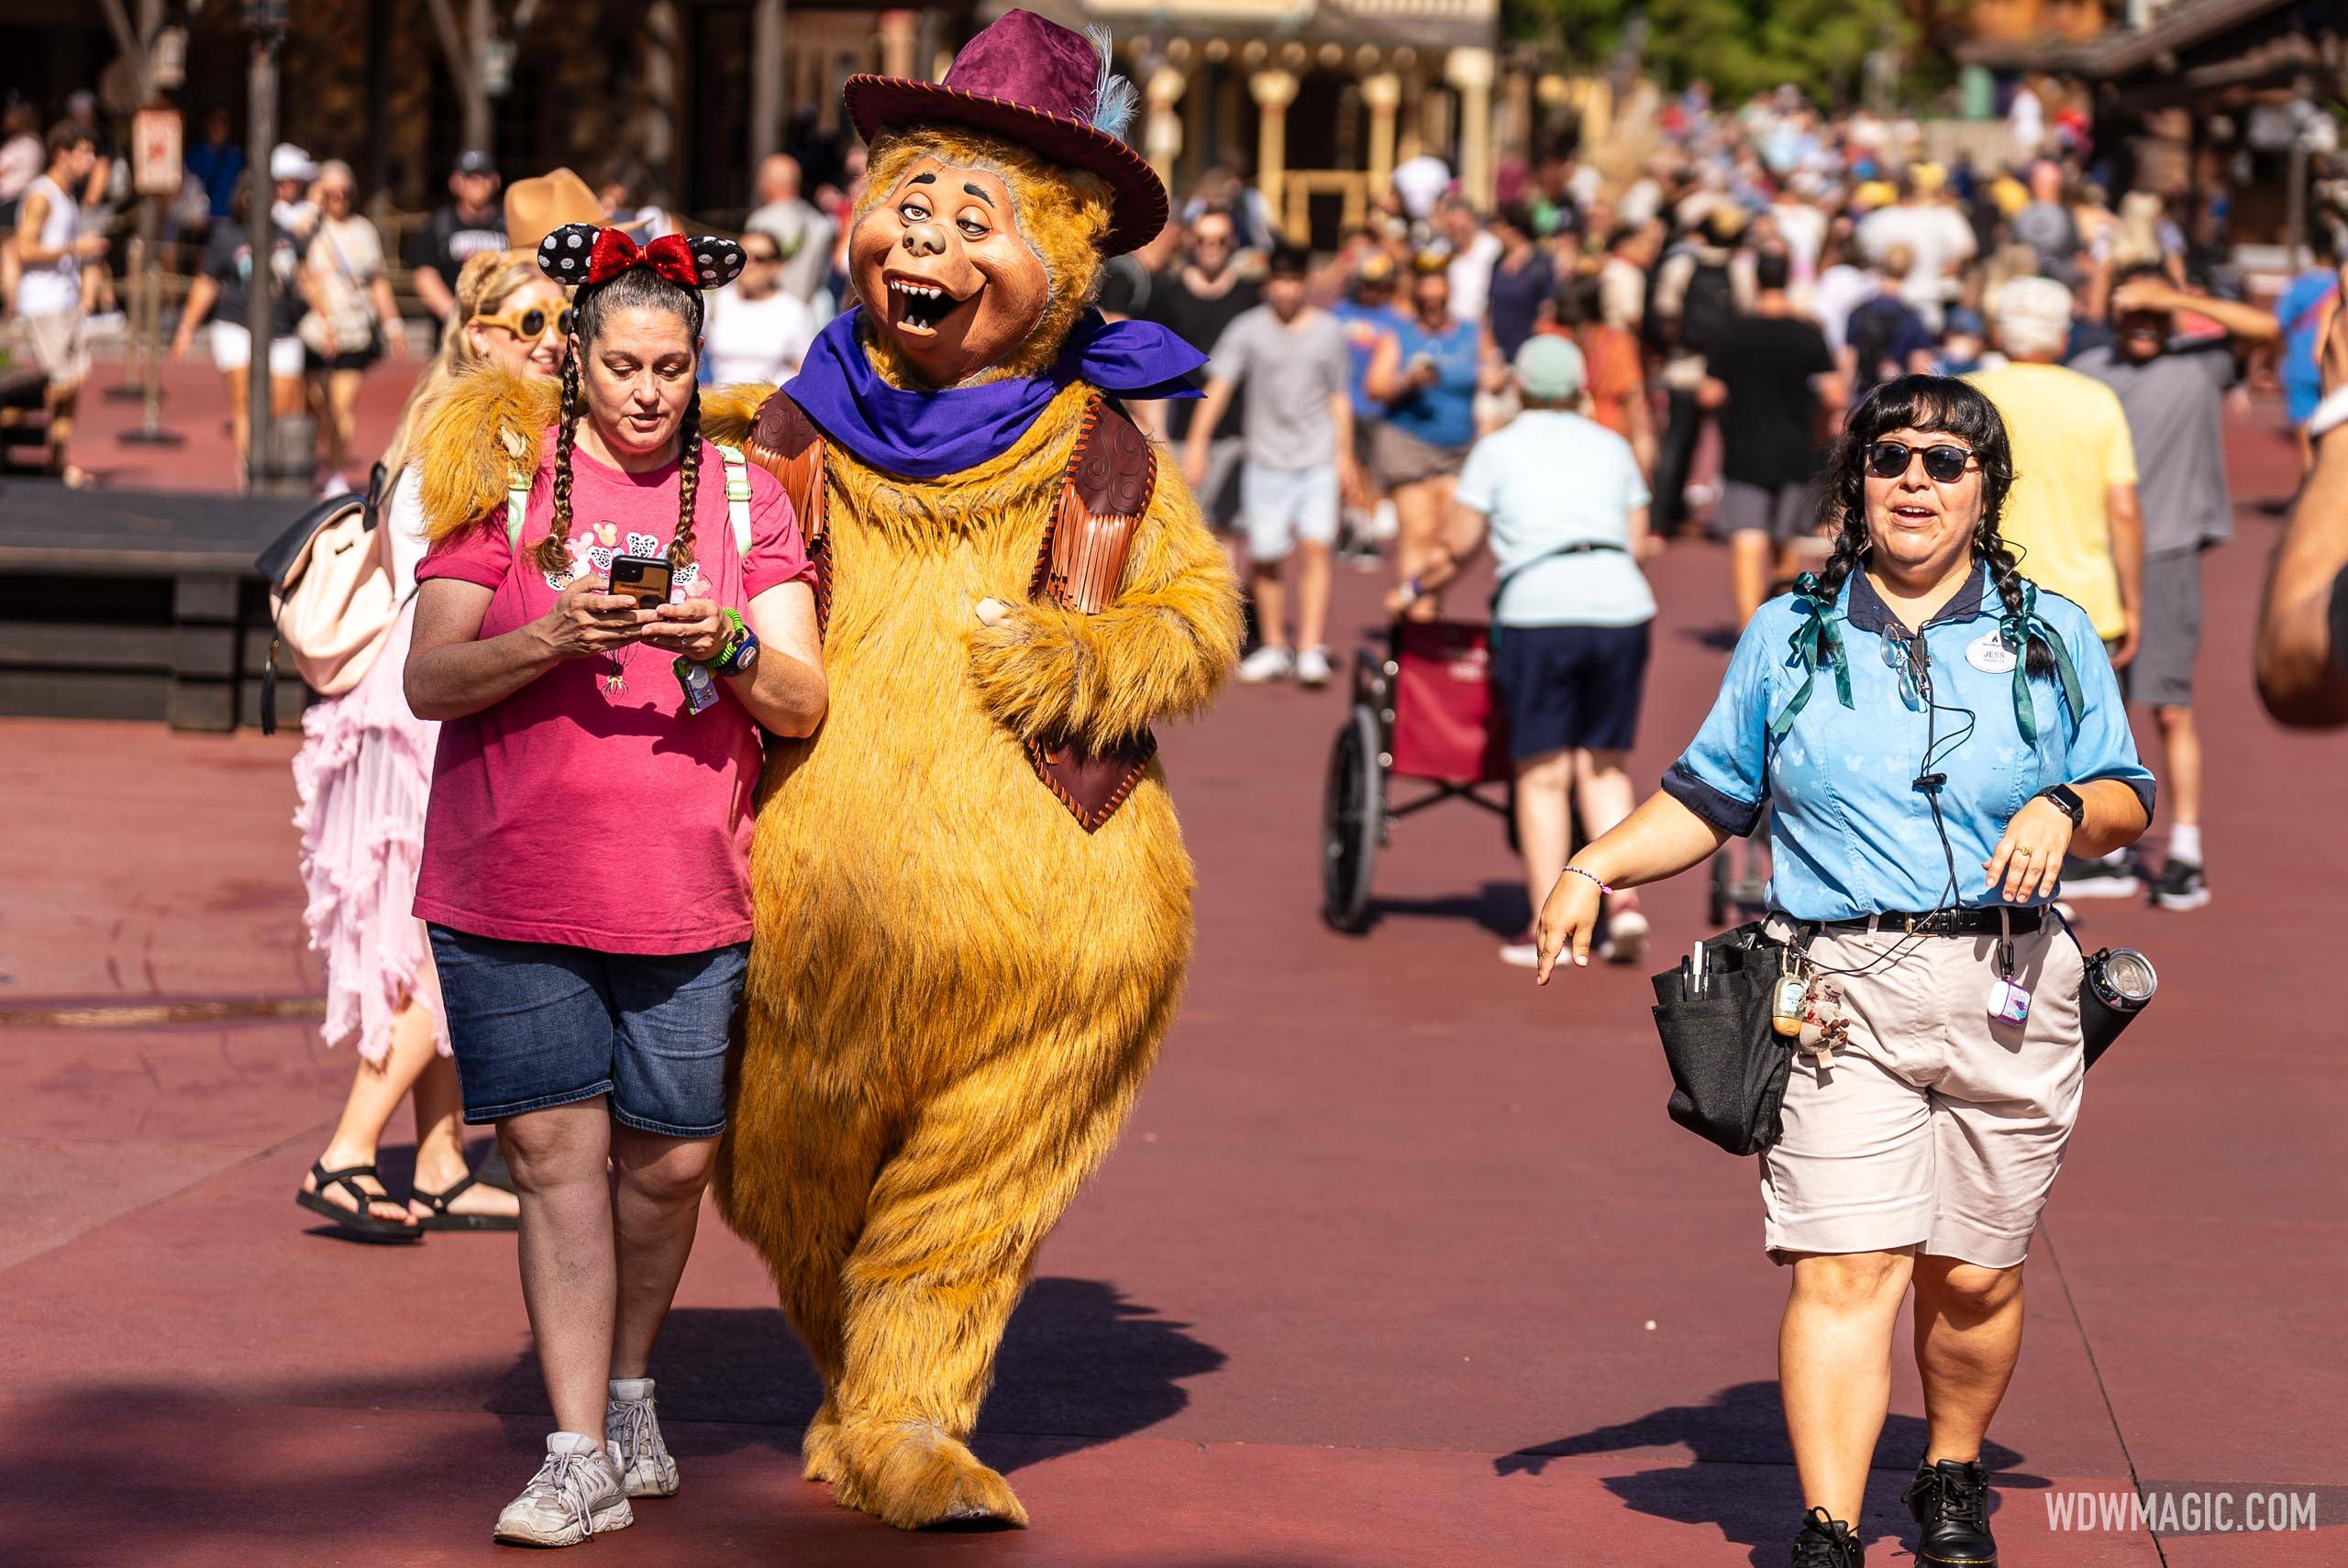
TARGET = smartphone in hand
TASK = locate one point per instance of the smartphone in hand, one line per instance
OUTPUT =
(645, 579)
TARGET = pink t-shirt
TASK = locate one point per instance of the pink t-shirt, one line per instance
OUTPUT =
(570, 813)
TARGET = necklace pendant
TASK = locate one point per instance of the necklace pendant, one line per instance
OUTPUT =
(616, 683)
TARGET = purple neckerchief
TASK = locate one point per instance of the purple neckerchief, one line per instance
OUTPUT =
(924, 434)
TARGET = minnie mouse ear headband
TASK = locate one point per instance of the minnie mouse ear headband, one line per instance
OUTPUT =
(579, 253)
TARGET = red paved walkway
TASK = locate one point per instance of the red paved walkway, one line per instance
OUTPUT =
(1399, 1265)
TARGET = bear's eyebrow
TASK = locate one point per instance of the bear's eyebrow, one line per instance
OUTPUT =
(980, 194)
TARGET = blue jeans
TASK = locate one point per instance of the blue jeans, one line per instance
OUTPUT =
(535, 1025)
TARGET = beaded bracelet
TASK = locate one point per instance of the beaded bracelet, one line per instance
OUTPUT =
(1594, 877)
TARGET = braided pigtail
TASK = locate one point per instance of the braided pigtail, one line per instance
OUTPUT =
(681, 549)
(1850, 544)
(2005, 571)
(554, 550)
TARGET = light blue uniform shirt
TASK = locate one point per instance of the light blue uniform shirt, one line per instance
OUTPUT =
(1849, 832)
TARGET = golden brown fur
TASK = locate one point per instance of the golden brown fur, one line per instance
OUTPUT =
(1062, 215)
(465, 465)
(955, 991)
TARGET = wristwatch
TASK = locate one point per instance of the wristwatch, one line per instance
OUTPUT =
(2067, 800)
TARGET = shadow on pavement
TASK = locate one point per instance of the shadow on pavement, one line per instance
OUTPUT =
(1080, 1365)
(1743, 1426)
(296, 1461)
(1498, 907)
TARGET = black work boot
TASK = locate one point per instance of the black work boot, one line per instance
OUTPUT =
(1951, 1503)
(1826, 1543)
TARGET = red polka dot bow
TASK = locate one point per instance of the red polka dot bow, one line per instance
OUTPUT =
(581, 253)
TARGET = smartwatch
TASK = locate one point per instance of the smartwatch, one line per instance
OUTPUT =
(2067, 799)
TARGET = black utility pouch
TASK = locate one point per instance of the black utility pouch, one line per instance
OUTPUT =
(1729, 1066)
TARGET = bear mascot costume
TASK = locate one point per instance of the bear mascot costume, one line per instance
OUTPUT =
(973, 903)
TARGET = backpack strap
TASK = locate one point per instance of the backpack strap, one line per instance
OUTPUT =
(517, 507)
(738, 499)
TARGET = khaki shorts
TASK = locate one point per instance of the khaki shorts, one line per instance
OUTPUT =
(1935, 1127)
(55, 344)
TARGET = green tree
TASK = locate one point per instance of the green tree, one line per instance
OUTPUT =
(1741, 46)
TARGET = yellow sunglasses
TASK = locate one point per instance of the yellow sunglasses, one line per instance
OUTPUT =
(531, 323)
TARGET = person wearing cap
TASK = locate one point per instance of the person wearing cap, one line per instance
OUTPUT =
(1298, 443)
(291, 210)
(1563, 505)
(472, 223)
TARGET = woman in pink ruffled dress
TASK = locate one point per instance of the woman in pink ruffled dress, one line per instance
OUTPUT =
(363, 776)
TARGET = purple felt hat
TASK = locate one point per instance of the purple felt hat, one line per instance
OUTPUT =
(1044, 86)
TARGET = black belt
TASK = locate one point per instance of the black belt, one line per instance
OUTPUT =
(1944, 922)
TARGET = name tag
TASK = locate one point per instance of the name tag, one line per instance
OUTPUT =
(1989, 655)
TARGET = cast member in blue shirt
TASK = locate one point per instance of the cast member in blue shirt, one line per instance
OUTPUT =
(1931, 733)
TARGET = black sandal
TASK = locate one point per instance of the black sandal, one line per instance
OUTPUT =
(443, 1218)
(357, 1221)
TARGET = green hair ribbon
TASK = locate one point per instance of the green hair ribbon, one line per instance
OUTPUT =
(1815, 642)
(2016, 629)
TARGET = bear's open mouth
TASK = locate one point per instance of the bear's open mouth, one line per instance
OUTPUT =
(920, 307)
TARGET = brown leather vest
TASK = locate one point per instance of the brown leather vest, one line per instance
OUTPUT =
(1111, 475)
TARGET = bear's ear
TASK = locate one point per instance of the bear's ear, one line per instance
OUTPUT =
(563, 254)
(718, 261)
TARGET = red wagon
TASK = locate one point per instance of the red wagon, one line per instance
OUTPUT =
(1423, 709)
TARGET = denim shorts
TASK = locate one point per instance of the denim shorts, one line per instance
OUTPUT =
(535, 1025)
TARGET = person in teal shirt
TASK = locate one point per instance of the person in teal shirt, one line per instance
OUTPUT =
(1930, 732)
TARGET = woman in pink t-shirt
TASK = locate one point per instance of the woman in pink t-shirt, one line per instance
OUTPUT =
(586, 850)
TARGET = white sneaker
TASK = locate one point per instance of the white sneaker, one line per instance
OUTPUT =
(1271, 662)
(1627, 938)
(631, 1436)
(1313, 668)
(575, 1494)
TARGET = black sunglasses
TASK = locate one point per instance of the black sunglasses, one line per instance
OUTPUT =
(1942, 465)
(762, 256)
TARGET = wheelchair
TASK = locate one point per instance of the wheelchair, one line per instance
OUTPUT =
(1422, 709)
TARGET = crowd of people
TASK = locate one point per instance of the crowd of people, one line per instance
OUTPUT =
(1749, 285)
(1973, 416)
(65, 211)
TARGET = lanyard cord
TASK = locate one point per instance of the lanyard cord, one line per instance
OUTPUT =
(1929, 779)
